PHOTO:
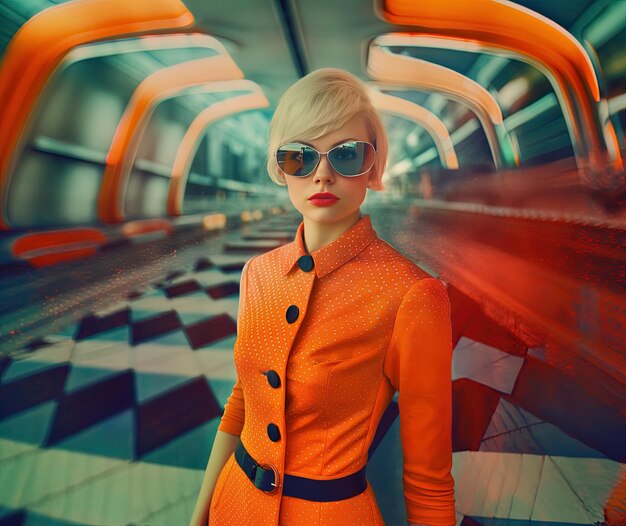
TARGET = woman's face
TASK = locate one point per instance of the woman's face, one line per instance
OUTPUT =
(350, 191)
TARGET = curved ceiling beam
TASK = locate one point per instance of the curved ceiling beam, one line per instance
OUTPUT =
(512, 28)
(412, 72)
(194, 134)
(443, 42)
(504, 24)
(147, 43)
(41, 43)
(428, 120)
(162, 84)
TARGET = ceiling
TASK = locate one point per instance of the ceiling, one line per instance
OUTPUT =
(275, 42)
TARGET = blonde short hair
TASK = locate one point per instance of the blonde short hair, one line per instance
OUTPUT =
(320, 103)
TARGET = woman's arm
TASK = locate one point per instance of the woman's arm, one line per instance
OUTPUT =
(223, 446)
(419, 365)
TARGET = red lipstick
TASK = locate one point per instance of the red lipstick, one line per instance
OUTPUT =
(323, 199)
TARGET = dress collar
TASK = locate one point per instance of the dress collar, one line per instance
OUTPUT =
(333, 255)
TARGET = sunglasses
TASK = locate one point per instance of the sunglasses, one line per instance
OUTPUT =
(350, 159)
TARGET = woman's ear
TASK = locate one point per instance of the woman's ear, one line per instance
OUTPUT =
(282, 174)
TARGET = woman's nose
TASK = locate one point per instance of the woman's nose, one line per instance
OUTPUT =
(324, 170)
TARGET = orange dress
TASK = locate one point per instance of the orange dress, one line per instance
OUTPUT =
(363, 322)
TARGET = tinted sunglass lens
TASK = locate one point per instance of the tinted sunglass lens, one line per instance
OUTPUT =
(352, 158)
(296, 159)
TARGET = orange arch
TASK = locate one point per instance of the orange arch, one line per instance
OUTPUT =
(40, 44)
(191, 141)
(162, 84)
(428, 120)
(509, 27)
(397, 69)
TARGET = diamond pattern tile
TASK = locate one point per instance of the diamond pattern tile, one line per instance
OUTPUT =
(182, 288)
(512, 429)
(202, 264)
(92, 325)
(561, 402)
(83, 408)
(485, 364)
(155, 326)
(161, 419)
(224, 290)
(33, 390)
(208, 331)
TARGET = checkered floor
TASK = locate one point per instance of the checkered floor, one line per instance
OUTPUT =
(111, 421)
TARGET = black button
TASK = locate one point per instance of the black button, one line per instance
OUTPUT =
(305, 263)
(292, 313)
(273, 378)
(273, 432)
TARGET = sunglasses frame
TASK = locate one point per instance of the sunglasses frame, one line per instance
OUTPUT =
(319, 160)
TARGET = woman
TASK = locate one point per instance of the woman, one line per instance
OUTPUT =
(329, 327)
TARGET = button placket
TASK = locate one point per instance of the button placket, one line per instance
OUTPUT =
(306, 264)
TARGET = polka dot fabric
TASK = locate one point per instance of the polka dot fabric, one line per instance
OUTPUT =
(369, 322)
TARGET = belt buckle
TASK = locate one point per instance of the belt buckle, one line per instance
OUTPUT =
(276, 482)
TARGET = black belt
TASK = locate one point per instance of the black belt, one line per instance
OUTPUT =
(265, 477)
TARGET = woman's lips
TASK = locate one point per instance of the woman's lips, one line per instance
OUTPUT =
(323, 201)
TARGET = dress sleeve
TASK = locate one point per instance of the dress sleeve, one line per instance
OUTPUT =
(234, 410)
(418, 364)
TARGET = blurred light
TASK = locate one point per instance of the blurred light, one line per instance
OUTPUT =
(143, 228)
(516, 150)
(465, 131)
(492, 66)
(610, 136)
(511, 92)
(436, 102)
(617, 103)
(214, 221)
(425, 157)
(530, 112)
(607, 25)
(612, 144)
(402, 166)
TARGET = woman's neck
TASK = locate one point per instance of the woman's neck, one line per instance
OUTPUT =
(318, 235)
